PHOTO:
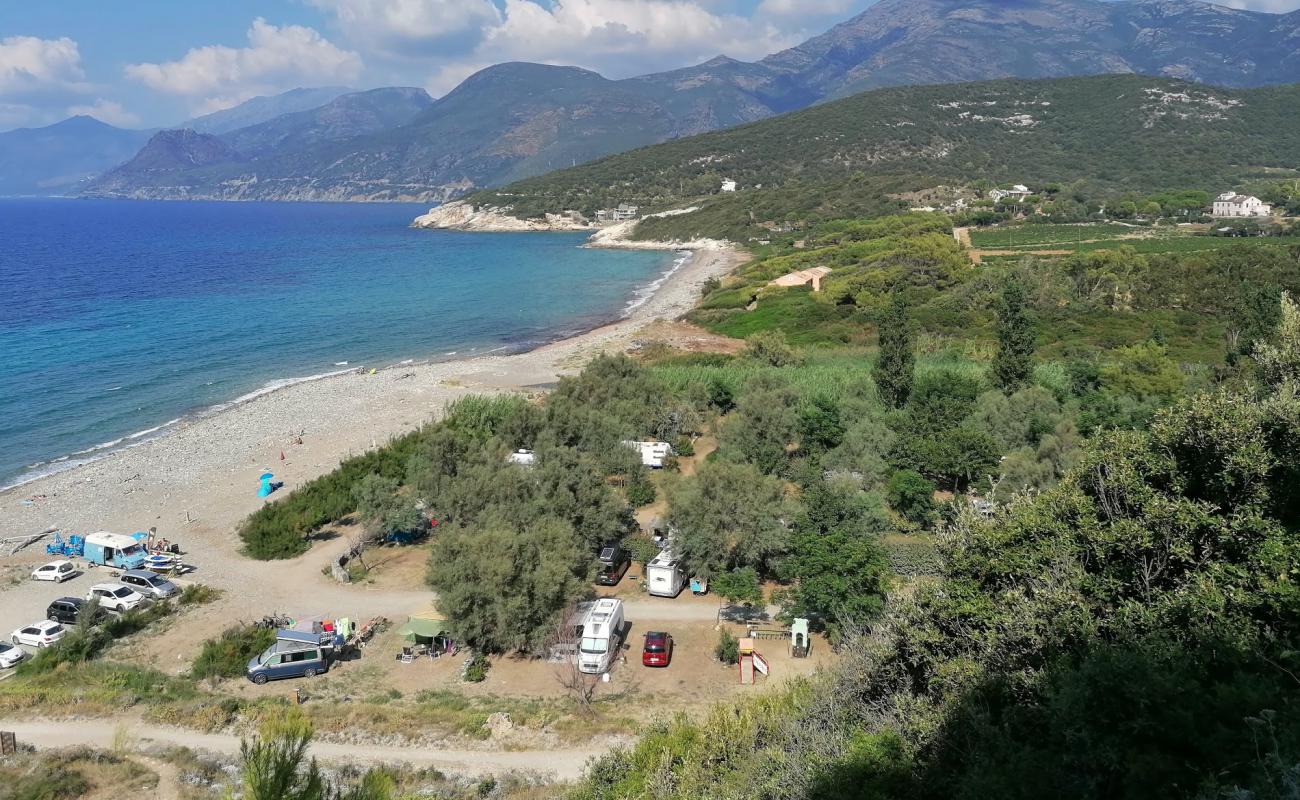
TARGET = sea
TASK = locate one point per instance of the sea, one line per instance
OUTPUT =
(118, 319)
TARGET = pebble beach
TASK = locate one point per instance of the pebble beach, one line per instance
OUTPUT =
(199, 479)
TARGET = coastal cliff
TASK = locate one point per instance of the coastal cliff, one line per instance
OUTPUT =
(461, 216)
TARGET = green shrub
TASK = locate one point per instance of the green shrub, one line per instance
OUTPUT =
(57, 783)
(476, 671)
(912, 496)
(227, 655)
(728, 648)
(279, 529)
(685, 446)
(642, 548)
(198, 594)
(640, 491)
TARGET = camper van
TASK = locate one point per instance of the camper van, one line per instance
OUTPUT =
(602, 632)
(114, 550)
(295, 654)
(664, 575)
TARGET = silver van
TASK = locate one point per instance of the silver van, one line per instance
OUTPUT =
(149, 584)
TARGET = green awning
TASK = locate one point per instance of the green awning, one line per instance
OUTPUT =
(425, 626)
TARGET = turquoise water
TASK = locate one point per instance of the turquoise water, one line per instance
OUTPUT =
(119, 317)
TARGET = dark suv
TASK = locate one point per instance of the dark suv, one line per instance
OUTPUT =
(68, 609)
(614, 562)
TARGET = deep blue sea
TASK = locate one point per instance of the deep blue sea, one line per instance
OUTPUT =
(117, 317)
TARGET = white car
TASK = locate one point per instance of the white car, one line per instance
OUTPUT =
(39, 634)
(10, 655)
(115, 596)
(58, 571)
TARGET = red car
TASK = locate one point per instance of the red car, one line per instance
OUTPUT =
(658, 649)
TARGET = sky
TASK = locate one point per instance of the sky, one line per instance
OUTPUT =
(155, 63)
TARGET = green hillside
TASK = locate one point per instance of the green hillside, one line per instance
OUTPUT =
(852, 157)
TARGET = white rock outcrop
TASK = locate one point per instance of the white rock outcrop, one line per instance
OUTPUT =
(461, 216)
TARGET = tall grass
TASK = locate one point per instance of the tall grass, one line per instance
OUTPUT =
(832, 373)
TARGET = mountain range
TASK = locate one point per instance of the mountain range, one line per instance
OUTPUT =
(516, 120)
(884, 150)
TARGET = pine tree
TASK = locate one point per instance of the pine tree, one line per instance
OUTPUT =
(1013, 364)
(896, 362)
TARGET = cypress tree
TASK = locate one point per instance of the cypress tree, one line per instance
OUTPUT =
(1013, 364)
(896, 362)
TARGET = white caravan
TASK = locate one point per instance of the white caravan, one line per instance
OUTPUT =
(602, 629)
(664, 575)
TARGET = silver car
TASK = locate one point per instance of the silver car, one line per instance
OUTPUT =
(149, 584)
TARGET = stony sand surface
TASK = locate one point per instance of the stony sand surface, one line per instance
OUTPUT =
(197, 482)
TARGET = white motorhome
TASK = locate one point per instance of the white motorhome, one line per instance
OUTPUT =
(664, 575)
(602, 631)
(653, 454)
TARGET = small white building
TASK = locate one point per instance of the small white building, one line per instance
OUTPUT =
(522, 457)
(623, 213)
(1231, 204)
(1015, 194)
(728, 186)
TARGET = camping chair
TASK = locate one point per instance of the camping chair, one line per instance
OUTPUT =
(408, 655)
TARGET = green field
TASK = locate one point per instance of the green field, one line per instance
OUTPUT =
(1043, 235)
(1109, 236)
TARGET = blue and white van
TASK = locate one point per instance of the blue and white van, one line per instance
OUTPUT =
(114, 550)
(289, 658)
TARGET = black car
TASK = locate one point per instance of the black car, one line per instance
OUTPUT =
(69, 609)
(614, 563)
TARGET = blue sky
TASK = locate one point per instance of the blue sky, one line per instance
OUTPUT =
(143, 63)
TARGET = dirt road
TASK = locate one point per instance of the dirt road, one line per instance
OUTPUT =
(563, 764)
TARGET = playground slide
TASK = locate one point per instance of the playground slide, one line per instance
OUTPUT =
(760, 663)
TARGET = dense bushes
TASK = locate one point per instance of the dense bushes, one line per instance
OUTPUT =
(1130, 633)
(279, 528)
(227, 656)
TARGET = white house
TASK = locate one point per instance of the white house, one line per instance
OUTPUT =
(1015, 193)
(728, 186)
(623, 213)
(1231, 204)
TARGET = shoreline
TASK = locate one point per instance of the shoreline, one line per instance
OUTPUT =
(102, 450)
(200, 472)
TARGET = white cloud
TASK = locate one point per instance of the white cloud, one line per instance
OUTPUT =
(618, 38)
(106, 111)
(276, 58)
(413, 25)
(29, 64)
(803, 8)
(1275, 6)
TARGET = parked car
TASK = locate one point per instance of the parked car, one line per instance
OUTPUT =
(39, 634)
(614, 563)
(68, 610)
(287, 659)
(57, 571)
(149, 584)
(10, 655)
(115, 596)
(658, 651)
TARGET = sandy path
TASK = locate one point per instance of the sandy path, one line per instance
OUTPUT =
(564, 764)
